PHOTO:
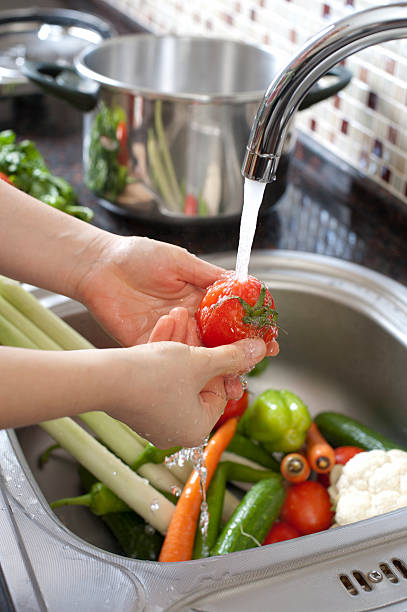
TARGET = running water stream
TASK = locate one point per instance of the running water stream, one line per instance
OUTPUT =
(253, 196)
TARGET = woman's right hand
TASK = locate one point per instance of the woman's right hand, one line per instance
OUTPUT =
(172, 393)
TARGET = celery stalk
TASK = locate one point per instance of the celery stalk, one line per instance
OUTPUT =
(54, 327)
(106, 467)
(36, 335)
(159, 174)
(10, 335)
(123, 444)
(163, 147)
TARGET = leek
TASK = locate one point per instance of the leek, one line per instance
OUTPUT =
(128, 449)
(54, 327)
(116, 475)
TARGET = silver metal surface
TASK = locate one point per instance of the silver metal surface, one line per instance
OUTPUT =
(345, 350)
(284, 95)
(51, 35)
(188, 103)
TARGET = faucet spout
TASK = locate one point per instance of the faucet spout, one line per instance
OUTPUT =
(284, 95)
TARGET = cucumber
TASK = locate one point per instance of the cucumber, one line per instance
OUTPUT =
(252, 519)
(341, 430)
(137, 539)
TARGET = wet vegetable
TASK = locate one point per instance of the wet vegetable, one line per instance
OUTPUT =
(226, 471)
(307, 507)
(278, 419)
(231, 310)
(253, 518)
(341, 430)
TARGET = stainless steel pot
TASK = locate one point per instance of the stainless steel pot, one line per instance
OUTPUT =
(168, 120)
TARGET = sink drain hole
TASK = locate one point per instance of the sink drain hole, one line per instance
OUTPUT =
(400, 566)
(361, 580)
(388, 573)
(348, 584)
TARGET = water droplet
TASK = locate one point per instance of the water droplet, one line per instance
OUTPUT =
(154, 506)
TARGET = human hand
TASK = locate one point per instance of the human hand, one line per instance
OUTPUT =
(129, 282)
(178, 326)
(170, 393)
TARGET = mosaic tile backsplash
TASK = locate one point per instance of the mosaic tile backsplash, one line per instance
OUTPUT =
(365, 124)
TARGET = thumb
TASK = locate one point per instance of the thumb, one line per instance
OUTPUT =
(236, 358)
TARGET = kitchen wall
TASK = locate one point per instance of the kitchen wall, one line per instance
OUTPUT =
(365, 125)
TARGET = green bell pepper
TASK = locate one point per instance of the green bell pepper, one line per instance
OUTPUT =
(278, 419)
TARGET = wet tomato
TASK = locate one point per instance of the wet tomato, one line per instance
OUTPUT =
(280, 532)
(234, 408)
(307, 507)
(231, 310)
(344, 453)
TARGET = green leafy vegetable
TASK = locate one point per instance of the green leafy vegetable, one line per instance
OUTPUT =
(26, 169)
(105, 176)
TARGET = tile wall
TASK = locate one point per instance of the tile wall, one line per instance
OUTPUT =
(365, 125)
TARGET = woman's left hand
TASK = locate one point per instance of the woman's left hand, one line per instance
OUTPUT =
(130, 282)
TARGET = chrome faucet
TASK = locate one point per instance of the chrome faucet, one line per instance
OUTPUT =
(284, 95)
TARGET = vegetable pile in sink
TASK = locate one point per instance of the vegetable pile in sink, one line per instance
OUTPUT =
(276, 472)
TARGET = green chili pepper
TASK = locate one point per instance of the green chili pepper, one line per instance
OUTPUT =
(240, 445)
(152, 454)
(278, 419)
(226, 471)
(100, 499)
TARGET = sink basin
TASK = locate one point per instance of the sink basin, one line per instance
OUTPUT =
(343, 348)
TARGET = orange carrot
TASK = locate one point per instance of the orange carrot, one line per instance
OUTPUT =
(320, 454)
(179, 541)
(294, 467)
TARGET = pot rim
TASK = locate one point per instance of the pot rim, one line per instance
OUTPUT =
(234, 98)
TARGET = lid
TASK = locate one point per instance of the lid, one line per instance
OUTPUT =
(53, 35)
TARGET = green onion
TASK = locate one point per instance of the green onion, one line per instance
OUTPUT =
(116, 475)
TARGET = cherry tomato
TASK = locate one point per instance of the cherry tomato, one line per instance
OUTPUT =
(280, 532)
(121, 135)
(234, 408)
(5, 178)
(307, 507)
(231, 310)
(344, 453)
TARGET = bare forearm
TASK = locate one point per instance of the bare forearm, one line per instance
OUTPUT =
(42, 385)
(41, 245)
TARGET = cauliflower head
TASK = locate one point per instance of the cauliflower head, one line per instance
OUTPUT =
(371, 483)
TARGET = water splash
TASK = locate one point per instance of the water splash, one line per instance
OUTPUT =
(252, 199)
(196, 456)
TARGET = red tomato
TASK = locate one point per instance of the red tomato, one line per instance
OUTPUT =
(280, 532)
(344, 453)
(5, 178)
(234, 408)
(307, 507)
(121, 135)
(231, 311)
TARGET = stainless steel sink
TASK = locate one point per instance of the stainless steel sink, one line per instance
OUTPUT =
(345, 349)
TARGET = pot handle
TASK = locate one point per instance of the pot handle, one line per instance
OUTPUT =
(320, 92)
(63, 82)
